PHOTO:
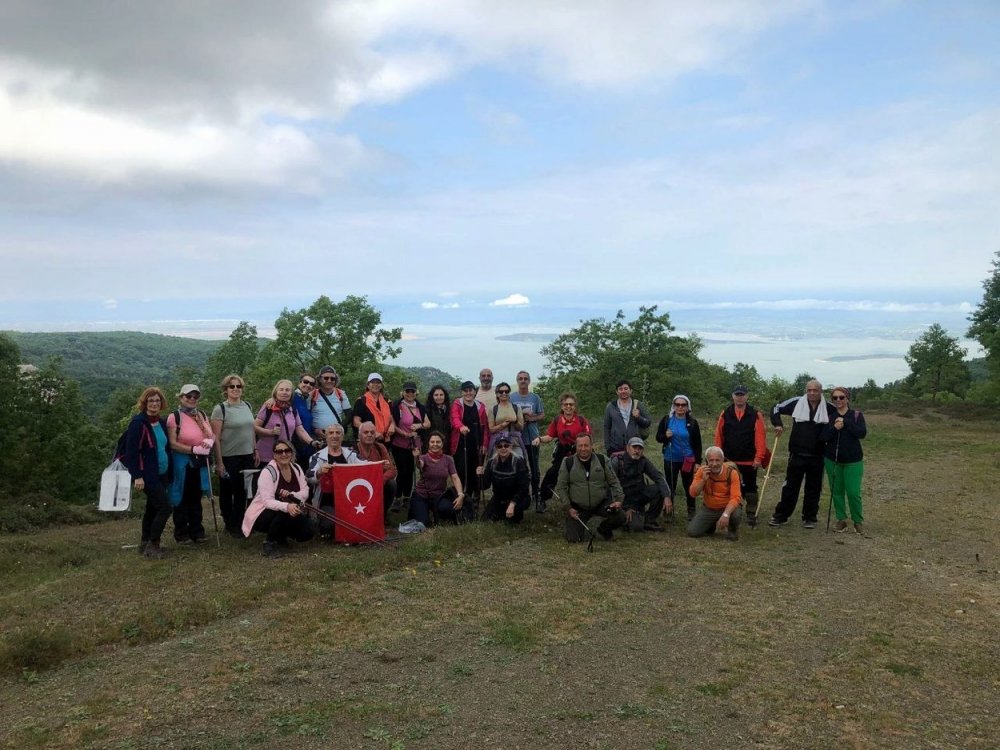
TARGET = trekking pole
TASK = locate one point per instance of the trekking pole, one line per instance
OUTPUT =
(836, 458)
(767, 475)
(215, 519)
(363, 533)
(590, 534)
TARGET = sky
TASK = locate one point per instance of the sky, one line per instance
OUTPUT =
(482, 161)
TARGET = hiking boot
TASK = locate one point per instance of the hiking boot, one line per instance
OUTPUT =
(234, 532)
(775, 521)
(540, 505)
(142, 546)
(271, 549)
(806, 524)
(184, 540)
(397, 505)
(201, 540)
(153, 551)
(732, 534)
(752, 521)
(859, 528)
(606, 534)
(652, 526)
(840, 527)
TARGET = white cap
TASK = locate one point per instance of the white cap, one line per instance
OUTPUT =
(374, 376)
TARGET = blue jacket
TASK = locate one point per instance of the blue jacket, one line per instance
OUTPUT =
(140, 450)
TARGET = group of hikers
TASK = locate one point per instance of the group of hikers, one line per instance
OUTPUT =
(477, 457)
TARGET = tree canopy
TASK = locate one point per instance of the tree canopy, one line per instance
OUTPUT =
(937, 364)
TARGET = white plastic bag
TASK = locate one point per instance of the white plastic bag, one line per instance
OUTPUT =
(116, 488)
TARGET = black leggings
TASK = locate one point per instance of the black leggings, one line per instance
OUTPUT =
(671, 470)
(158, 509)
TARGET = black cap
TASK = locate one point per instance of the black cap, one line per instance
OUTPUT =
(741, 389)
(409, 385)
(468, 384)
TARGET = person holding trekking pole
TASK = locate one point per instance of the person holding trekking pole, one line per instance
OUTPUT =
(844, 459)
(191, 441)
(589, 487)
(680, 435)
(276, 509)
(563, 430)
(235, 452)
(469, 437)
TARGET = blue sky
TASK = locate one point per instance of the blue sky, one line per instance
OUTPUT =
(495, 155)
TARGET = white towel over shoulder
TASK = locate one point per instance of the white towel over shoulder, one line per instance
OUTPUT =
(801, 412)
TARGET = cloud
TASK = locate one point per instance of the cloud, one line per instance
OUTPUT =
(110, 304)
(439, 306)
(791, 305)
(513, 300)
(238, 94)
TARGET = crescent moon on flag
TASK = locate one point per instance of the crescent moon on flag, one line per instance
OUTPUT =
(360, 483)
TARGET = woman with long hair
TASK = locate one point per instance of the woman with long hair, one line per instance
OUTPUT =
(148, 460)
(279, 421)
(438, 410)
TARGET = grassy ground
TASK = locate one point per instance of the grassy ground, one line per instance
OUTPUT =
(480, 636)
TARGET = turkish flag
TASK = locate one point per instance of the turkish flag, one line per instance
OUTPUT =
(357, 502)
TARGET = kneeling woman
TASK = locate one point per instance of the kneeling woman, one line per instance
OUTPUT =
(434, 469)
(507, 474)
(275, 509)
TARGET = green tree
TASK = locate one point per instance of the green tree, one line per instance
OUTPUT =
(985, 320)
(238, 355)
(592, 357)
(937, 364)
(346, 334)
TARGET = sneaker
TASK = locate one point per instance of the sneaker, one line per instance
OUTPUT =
(752, 521)
(397, 505)
(859, 528)
(840, 527)
(142, 546)
(540, 505)
(184, 540)
(153, 551)
(775, 521)
(808, 524)
(201, 540)
(271, 549)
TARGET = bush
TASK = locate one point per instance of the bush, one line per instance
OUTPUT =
(35, 511)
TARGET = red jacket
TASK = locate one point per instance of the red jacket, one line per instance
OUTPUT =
(457, 407)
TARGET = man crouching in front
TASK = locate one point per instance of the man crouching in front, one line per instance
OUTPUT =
(719, 483)
(589, 488)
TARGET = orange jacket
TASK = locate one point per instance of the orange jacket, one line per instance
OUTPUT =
(718, 491)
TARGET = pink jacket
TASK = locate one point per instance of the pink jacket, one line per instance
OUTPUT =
(265, 495)
(457, 407)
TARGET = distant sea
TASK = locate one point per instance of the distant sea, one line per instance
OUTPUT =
(847, 344)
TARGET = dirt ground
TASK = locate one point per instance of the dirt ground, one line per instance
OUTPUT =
(484, 637)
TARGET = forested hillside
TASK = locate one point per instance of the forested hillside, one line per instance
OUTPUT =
(102, 362)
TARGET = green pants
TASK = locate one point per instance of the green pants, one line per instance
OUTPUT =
(845, 479)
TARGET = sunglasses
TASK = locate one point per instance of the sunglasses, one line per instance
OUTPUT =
(569, 403)
(838, 398)
(308, 382)
(503, 392)
(235, 385)
(282, 452)
(410, 390)
(192, 396)
(329, 377)
(680, 403)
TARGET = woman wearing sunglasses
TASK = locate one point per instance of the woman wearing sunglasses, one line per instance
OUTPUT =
(276, 509)
(563, 430)
(232, 424)
(844, 459)
(680, 435)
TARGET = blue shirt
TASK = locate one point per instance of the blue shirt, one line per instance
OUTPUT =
(528, 404)
(162, 461)
(679, 446)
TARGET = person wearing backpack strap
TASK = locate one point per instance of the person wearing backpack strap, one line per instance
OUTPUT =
(191, 442)
(276, 419)
(589, 488)
(563, 430)
(718, 481)
(329, 404)
(643, 502)
(148, 459)
(624, 418)
(504, 417)
(235, 451)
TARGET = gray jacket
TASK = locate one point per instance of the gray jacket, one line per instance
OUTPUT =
(616, 433)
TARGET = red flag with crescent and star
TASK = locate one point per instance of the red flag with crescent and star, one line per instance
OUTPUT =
(357, 502)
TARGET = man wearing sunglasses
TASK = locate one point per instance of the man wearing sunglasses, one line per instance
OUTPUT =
(330, 404)
(810, 414)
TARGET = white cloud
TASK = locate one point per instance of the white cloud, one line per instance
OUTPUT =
(111, 304)
(513, 300)
(439, 306)
(791, 305)
(227, 96)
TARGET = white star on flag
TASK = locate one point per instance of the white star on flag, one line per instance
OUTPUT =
(359, 509)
